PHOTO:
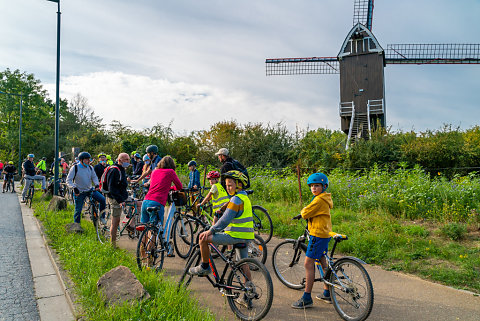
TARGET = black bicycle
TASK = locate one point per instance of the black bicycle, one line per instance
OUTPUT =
(350, 286)
(246, 283)
(30, 192)
(10, 184)
(101, 228)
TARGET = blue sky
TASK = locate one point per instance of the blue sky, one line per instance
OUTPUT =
(193, 63)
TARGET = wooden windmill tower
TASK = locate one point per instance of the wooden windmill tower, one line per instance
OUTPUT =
(360, 63)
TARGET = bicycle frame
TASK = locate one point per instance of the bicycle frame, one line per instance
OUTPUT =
(219, 281)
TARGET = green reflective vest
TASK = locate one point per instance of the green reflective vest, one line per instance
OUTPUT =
(221, 199)
(242, 227)
(42, 165)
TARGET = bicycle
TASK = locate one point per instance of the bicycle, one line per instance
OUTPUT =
(102, 230)
(350, 285)
(194, 197)
(30, 192)
(10, 183)
(248, 286)
(154, 240)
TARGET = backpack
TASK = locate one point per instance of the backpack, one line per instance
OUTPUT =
(75, 168)
(239, 167)
(103, 180)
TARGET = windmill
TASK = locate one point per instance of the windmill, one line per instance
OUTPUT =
(361, 62)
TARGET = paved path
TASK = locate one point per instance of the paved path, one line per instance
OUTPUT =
(17, 298)
(397, 296)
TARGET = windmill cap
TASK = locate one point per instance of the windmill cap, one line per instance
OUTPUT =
(222, 151)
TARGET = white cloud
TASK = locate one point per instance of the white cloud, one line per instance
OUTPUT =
(141, 102)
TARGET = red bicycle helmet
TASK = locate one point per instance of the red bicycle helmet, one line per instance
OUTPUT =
(213, 174)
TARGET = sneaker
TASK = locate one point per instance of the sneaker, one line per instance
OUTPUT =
(22, 201)
(198, 270)
(301, 304)
(326, 299)
(245, 301)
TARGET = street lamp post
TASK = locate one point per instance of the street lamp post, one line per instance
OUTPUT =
(20, 128)
(57, 100)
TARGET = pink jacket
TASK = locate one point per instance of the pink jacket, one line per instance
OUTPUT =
(160, 182)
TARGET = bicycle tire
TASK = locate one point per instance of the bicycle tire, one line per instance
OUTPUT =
(355, 301)
(194, 260)
(255, 301)
(152, 257)
(182, 236)
(262, 226)
(283, 256)
(31, 192)
(103, 230)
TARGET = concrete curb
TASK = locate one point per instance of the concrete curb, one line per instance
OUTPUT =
(52, 295)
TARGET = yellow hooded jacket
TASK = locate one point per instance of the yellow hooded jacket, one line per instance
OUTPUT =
(318, 215)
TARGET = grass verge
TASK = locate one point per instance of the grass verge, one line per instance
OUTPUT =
(423, 248)
(86, 260)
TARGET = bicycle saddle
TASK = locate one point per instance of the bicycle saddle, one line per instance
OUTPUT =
(153, 208)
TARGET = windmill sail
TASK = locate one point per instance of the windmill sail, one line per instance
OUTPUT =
(363, 13)
(302, 66)
(432, 54)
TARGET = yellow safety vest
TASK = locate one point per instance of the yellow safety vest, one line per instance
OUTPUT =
(42, 165)
(221, 199)
(242, 227)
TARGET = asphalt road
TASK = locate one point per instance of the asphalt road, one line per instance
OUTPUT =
(397, 296)
(17, 298)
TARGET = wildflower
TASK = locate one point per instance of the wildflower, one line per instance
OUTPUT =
(427, 249)
(439, 174)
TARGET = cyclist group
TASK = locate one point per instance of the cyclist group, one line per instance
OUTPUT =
(233, 222)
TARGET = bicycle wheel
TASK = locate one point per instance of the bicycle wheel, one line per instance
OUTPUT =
(31, 192)
(194, 260)
(150, 255)
(103, 230)
(262, 222)
(182, 233)
(8, 185)
(288, 264)
(249, 299)
(352, 292)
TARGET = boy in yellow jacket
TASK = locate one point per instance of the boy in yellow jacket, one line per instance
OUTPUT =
(317, 213)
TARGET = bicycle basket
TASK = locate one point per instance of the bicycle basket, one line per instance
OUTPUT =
(177, 197)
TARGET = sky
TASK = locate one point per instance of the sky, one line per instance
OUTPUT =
(192, 63)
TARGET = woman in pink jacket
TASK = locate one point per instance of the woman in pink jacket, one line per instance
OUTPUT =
(160, 182)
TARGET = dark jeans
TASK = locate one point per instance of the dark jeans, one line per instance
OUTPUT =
(80, 199)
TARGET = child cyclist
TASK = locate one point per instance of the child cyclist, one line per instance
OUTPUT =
(317, 213)
(217, 194)
(236, 222)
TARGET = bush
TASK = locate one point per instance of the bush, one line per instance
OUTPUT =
(454, 231)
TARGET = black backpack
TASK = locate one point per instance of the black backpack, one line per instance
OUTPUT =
(239, 167)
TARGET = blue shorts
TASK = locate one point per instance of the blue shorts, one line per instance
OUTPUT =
(317, 247)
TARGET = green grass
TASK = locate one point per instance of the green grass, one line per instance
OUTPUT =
(86, 260)
(380, 238)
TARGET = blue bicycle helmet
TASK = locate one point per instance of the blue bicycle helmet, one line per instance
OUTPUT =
(137, 155)
(31, 155)
(192, 163)
(145, 157)
(318, 178)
